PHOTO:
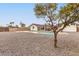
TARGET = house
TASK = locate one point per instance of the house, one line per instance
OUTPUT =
(71, 28)
(39, 27)
(36, 27)
(77, 27)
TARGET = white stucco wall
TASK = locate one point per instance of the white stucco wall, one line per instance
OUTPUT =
(33, 29)
(71, 28)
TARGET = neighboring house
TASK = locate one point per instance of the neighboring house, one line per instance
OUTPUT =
(71, 28)
(36, 27)
(77, 27)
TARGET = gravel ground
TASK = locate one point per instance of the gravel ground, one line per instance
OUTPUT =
(29, 44)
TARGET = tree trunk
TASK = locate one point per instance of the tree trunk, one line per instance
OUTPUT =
(55, 39)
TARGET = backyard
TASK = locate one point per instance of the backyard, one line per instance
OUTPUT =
(24, 44)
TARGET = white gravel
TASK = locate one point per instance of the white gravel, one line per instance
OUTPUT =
(29, 44)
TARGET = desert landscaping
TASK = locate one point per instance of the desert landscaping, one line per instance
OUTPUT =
(39, 29)
(34, 44)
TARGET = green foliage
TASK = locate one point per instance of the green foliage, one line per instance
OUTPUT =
(41, 10)
(22, 24)
(58, 21)
(70, 11)
(67, 14)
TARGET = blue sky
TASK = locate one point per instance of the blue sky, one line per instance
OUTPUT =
(19, 12)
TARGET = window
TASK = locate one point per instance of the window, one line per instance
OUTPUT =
(33, 27)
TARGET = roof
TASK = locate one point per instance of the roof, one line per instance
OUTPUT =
(42, 26)
(38, 25)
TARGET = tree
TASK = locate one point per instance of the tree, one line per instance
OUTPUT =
(22, 24)
(57, 20)
(11, 24)
(17, 26)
